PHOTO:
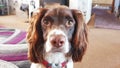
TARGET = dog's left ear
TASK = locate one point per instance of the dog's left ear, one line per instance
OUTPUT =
(35, 37)
(80, 36)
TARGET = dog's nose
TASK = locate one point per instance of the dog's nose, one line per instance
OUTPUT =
(57, 40)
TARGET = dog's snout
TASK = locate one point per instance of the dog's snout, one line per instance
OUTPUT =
(57, 40)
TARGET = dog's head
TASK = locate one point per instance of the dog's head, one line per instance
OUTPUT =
(57, 30)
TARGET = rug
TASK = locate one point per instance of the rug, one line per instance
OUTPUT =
(13, 47)
(12, 36)
(104, 19)
(5, 64)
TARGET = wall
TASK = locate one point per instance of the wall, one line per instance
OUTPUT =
(117, 2)
(20, 13)
(12, 5)
(33, 6)
(82, 5)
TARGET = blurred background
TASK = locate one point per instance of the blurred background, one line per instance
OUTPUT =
(101, 16)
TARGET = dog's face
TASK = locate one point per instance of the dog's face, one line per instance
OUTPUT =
(57, 30)
(58, 26)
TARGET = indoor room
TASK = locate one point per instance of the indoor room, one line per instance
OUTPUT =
(100, 31)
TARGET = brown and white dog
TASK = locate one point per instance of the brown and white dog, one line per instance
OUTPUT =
(57, 37)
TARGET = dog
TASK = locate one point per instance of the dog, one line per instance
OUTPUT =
(57, 37)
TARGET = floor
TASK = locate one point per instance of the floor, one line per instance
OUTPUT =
(14, 21)
(105, 19)
(103, 50)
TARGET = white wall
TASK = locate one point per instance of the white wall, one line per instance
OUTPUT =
(32, 8)
(117, 2)
(19, 12)
(83, 5)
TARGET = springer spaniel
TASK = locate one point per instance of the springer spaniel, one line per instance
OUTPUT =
(57, 37)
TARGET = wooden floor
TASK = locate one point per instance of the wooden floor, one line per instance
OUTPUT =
(14, 21)
(103, 50)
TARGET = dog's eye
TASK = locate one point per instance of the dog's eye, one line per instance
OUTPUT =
(69, 23)
(46, 22)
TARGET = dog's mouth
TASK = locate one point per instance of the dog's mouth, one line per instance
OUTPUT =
(57, 50)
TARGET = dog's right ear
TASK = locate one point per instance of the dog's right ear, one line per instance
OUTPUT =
(80, 36)
(35, 37)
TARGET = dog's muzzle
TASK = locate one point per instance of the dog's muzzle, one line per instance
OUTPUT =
(57, 40)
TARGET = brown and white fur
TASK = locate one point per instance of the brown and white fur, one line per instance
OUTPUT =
(57, 35)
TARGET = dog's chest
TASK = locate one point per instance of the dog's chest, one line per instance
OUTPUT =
(56, 60)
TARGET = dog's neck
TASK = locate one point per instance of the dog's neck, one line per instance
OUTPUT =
(52, 65)
(55, 59)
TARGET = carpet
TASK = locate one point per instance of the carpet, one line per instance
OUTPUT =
(5, 64)
(12, 36)
(104, 19)
(13, 47)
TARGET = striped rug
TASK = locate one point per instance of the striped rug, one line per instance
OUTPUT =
(13, 46)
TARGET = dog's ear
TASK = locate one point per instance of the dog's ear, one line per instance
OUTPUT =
(35, 37)
(80, 36)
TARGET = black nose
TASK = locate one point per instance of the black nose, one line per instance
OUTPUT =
(57, 40)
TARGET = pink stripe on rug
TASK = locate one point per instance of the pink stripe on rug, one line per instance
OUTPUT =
(17, 39)
(8, 33)
(14, 57)
(1, 26)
